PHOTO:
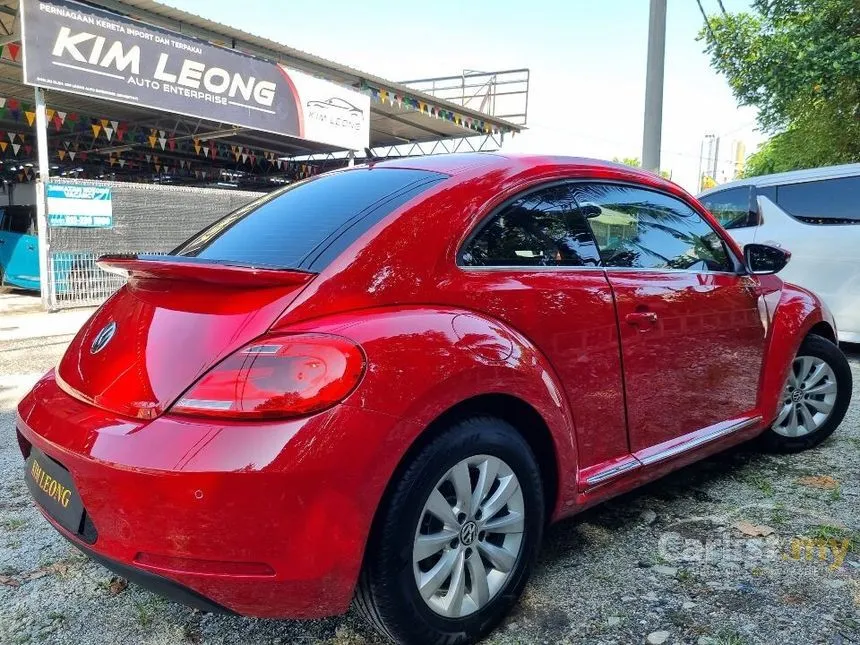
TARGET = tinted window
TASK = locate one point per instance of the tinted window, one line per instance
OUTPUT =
(542, 228)
(292, 227)
(731, 207)
(644, 229)
(19, 219)
(766, 191)
(837, 199)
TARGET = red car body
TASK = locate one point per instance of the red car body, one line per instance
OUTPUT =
(618, 377)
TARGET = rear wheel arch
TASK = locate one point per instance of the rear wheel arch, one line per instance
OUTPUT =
(521, 415)
(527, 421)
(386, 592)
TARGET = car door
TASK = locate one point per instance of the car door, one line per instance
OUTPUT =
(692, 335)
(19, 255)
(5, 242)
(532, 263)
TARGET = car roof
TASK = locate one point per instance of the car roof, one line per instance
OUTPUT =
(791, 177)
(458, 163)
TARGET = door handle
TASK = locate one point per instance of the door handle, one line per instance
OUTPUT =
(641, 318)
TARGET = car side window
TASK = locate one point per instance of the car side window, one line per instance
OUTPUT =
(20, 220)
(732, 207)
(541, 228)
(644, 229)
(826, 201)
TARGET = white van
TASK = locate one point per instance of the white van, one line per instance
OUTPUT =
(815, 214)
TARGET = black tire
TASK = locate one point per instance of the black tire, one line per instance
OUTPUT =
(818, 347)
(387, 593)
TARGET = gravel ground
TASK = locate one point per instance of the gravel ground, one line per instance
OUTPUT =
(714, 553)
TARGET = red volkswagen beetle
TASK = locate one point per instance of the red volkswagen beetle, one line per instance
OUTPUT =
(382, 383)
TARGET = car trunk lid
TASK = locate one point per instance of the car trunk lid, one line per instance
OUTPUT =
(175, 319)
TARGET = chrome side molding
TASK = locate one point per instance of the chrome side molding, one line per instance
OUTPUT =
(634, 462)
(698, 441)
(614, 471)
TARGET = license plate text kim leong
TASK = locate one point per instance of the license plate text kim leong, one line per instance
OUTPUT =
(50, 486)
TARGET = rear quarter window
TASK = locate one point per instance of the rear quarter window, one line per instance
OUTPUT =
(304, 226)
(826, 201)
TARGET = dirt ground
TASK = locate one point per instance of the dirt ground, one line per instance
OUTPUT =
(741, 548)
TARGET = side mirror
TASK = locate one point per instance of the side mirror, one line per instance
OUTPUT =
(590, 210)
(763, 259)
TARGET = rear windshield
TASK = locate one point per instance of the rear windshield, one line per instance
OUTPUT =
(305, 225)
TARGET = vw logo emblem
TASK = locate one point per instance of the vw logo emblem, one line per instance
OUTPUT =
(103, 337)
(467, 533)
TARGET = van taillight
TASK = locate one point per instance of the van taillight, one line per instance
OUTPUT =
(277, 377)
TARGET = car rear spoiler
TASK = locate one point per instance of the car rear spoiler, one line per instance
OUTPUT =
(191, 270)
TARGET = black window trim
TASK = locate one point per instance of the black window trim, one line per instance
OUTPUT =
(740, 266)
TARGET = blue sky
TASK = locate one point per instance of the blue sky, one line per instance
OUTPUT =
(587, 62)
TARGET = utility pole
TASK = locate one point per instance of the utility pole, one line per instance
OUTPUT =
(652, 134)
(702, 168)
(699, 174)
(716, 158)
(46, 279)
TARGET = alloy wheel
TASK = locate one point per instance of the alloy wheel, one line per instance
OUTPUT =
(468, 538)
(807, 398)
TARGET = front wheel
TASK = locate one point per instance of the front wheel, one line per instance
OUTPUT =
(456, 537)
(814, 399)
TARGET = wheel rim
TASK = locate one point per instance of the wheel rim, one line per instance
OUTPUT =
(468, 538)
(807, 398)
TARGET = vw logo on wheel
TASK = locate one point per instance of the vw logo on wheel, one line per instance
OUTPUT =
(467, 533)
(103, 337)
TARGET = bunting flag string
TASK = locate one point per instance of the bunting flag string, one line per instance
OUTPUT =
(66, 150)
(11, 51)
(391, 98)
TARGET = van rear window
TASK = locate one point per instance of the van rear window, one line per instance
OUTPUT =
(295, 227)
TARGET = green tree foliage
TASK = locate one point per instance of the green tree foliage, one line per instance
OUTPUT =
(798, 62)
(635, 163)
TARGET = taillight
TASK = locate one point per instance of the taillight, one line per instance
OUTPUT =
(277, 377)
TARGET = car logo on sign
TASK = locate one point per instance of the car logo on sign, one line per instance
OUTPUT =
(103, 337)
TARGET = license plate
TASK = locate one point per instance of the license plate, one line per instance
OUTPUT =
(51, 486)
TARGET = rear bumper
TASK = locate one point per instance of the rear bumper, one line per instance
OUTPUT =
(154, 583)
(267, 520)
